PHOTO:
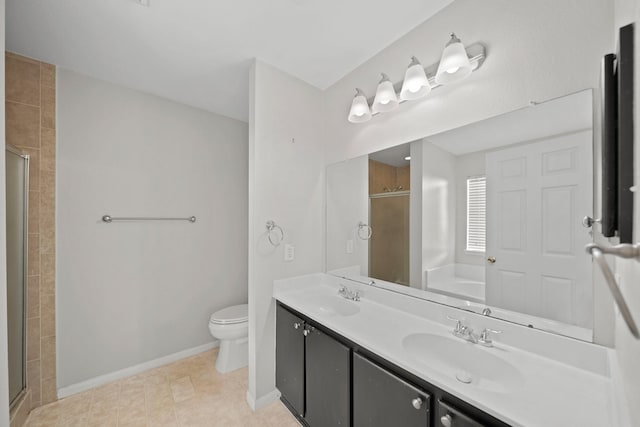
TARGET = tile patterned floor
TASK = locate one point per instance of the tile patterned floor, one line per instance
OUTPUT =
(189, 392)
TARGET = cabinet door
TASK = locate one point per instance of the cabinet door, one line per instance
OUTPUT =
(328, 381)
(290, 358)
(448, 416)
(381, 399)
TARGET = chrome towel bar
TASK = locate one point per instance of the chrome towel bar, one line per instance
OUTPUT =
(109, 218)
(623, 251)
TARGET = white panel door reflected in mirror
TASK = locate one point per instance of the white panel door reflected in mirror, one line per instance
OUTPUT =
(486, 216)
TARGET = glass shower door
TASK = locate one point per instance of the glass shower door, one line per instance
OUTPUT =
(389, 243)
(17, 180)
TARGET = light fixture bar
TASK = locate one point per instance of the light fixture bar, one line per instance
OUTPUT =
(476, 53)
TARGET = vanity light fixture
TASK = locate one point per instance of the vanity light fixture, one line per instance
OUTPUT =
(457, 62)
(415, 84)
(386, 98)
(360, 111)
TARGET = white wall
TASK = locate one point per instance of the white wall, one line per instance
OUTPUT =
(4, 366)
(536, 50)
(286, 184)
(627, 347)
(438, 207)
(132, 292)
(347, 205)
(467, 165)
(416, 272)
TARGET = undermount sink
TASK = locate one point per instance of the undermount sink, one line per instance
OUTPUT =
(464, 361)
(333, 305)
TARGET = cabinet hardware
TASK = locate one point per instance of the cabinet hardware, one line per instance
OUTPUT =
(307, 331)
(491, 260)
(297, 325)
(417, 402)
(446, 421)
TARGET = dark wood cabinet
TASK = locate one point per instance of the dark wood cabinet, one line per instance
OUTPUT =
(382, 399)
(313, 372)
(290, 359)
(328, 380)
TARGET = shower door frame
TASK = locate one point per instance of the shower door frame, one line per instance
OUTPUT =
(25, 274)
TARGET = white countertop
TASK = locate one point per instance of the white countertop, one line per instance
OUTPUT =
(552, 393)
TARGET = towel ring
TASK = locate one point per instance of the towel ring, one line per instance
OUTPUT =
(271, 228)
(367, 227)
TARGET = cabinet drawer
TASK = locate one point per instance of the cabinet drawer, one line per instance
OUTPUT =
(448, 416)
(381, 399)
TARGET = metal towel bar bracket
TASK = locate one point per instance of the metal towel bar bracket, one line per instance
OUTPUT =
(109, 219)
(623, 251)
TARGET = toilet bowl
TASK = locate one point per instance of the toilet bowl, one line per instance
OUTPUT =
(231, 327)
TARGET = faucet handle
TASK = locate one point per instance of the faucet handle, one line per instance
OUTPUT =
(459, 326)
(485, 337)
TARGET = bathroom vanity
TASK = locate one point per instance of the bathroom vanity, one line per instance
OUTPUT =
(365, 359)
(327, 380)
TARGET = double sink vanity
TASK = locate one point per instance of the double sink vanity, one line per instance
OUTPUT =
(352, 354)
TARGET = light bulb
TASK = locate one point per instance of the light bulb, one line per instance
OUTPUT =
(415, 85)
(360, 111)
(386, 98)
(454, 64)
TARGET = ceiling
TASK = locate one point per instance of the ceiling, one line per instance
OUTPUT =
(198, 52)
(393, 156)
(555, 117)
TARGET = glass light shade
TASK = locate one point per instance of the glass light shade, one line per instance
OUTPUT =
(386, 98)
(360, 111)
(415, 85)
(454, 64)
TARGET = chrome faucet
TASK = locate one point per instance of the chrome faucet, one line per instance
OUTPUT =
(348, 293)
(463, 331)
(466, 333)
(486, 311)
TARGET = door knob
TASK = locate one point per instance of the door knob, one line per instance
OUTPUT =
(587, 221)
(491, 260)
(446, 421)
(417, 402)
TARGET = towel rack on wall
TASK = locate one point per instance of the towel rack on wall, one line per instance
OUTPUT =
(109, 218)
(623, 251)
(275, 233)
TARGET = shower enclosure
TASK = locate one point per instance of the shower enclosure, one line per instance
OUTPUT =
(17, 181)
(389, 243)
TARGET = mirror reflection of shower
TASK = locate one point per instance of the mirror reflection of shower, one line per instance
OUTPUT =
(17, 192)
(389, 197)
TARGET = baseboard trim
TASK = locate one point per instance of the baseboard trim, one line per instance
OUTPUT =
(133, 370)
(263, 401)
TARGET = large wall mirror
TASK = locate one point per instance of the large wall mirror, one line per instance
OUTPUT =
(487, 217)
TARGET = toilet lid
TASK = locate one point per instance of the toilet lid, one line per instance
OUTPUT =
(230, 315)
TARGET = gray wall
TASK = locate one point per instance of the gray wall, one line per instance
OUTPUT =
(132, 292)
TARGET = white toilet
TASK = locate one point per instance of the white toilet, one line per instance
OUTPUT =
(231, 326)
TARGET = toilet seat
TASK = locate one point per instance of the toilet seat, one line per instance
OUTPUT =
(231, 315)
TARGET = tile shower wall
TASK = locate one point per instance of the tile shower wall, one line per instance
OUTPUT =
(30, 126)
